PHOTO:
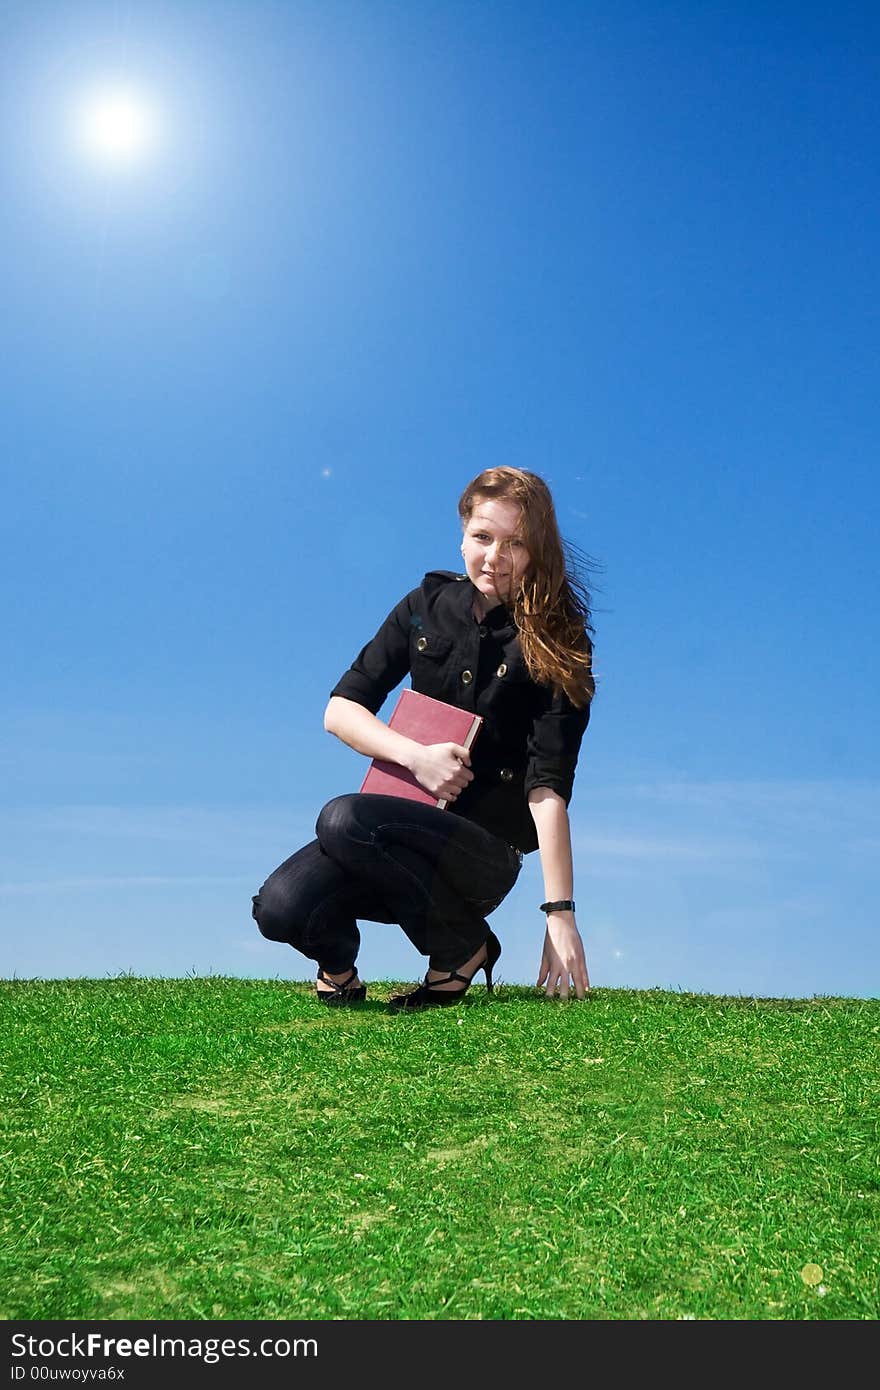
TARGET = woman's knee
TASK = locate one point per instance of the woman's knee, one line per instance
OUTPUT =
(337, 821)
(271, 912)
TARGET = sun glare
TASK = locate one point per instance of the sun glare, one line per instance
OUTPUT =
(116, 126)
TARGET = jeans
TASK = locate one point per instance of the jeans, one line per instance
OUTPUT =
(387, 859)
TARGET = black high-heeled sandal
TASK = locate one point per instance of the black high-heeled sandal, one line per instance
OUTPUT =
(342, 993)
(428, 996)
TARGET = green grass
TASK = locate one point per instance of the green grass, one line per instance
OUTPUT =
(216, 1148)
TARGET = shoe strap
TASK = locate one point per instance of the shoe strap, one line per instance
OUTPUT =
(453, 975)
(340, 988)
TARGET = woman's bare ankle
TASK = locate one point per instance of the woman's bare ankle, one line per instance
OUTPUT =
(469, 967)
(342, 977)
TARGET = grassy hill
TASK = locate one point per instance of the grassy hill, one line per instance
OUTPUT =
(219, 1148)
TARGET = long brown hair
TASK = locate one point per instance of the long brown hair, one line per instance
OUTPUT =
(551, 604)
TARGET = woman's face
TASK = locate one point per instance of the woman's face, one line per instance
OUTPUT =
(494, 556)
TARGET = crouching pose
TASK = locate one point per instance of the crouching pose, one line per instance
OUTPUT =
(508, 640)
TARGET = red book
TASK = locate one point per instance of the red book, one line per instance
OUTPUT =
(425, 720)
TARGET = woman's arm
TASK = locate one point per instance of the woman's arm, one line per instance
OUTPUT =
(362, 731)
(563, 961)
(441, 768)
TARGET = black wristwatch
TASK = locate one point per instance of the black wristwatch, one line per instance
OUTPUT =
(564, 905)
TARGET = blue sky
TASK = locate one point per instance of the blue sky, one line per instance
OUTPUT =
(377, 248)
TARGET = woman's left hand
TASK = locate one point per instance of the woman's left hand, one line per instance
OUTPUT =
(563, 962)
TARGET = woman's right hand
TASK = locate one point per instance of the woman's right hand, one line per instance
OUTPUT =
(443, 769)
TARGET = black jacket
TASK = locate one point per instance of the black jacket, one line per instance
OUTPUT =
(530, 737)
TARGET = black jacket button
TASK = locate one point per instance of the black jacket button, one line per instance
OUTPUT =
(467, 677)
(506, 774)
(421, 644)
(502, 669)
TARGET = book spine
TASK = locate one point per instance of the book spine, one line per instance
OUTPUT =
(468, 740)
(472, 731)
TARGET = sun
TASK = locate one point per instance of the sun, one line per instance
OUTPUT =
(116, 126)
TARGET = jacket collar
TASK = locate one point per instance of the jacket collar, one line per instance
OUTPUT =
(498, 621)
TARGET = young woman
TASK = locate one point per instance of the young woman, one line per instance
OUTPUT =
(508, 640)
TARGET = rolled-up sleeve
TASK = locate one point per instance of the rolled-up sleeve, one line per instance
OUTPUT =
(554, 744)
(383, 662)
